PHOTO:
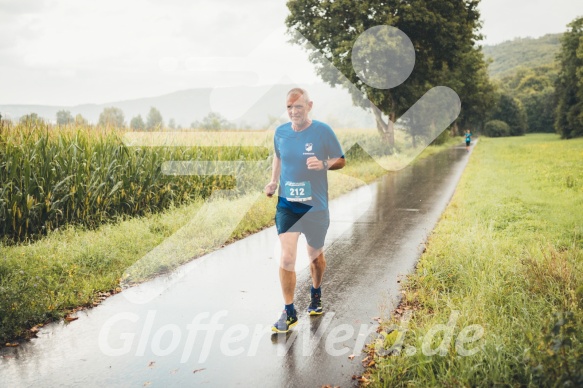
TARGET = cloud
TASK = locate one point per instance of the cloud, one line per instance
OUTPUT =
(71, 51)
(110, 50)
(76, 33)
(536, 18)
(10, 7)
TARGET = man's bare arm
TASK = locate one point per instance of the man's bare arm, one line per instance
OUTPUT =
(336, 163)
(275, 172)
(333, 164)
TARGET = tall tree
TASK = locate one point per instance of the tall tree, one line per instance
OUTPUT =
(477, 94)
(536, 92)
(569, 85)
(441, 32)
(112, 117)
(80, 120)
(535, 89)
(137, 123)
(213, 121)
(31, 118)
(154, 120)
(64, 117)
(509, 110)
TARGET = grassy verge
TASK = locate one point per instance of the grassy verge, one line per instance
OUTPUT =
(497, 298)
(75, 266)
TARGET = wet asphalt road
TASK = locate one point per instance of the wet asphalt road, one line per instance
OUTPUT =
(208, 323)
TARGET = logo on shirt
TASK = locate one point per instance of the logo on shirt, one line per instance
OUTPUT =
(309, 147)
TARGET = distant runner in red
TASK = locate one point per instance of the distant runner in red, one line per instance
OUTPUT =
(305, 150)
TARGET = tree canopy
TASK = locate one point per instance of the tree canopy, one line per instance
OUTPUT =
(154, 120)
(569, 84)
(137, 123)
(64, 117)
(80, 120)
(31, 118)
(111, 117)
(442, 33)
(213, 121)
(535, 89)
(510, 111)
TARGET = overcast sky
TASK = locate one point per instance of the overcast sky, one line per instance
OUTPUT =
(70, 52)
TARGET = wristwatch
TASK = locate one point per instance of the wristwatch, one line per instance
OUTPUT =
(325, 164)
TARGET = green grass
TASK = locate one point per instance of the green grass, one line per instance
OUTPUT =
(43, 280)
(51, 177)
(508, 255)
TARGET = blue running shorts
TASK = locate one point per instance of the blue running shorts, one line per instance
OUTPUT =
(314, 225)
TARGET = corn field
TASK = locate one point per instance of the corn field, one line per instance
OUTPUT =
(54, 176)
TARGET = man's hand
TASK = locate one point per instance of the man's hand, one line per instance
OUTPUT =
(314, 164)
(270, 189)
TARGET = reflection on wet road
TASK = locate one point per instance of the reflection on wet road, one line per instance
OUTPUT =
(210, 324)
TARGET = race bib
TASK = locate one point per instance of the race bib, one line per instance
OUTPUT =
(298, 191)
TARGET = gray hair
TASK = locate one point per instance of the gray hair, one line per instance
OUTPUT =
(300, 91)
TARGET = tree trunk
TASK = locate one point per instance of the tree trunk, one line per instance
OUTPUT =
(454, 129)
(391, 128)
(382, 127)
(386, 130)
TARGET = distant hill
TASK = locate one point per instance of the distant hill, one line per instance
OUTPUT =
(254, 106)
(521, 52)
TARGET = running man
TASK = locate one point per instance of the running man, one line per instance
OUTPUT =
(468, 140)
(305, 150)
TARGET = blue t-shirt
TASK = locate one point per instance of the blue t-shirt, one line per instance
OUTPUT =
(301, 189)
(468, 137)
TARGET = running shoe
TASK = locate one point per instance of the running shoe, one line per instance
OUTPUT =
(284, 323)
(315, 307)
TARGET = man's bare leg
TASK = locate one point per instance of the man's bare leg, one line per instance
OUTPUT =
(287, 272)
(317, 265)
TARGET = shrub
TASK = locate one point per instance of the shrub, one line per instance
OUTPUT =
(496, 128)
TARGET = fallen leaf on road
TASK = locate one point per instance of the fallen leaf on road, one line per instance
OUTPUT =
(69, 318)
(151, 364)
(198, 370)
(351, 356)
(12, 345)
